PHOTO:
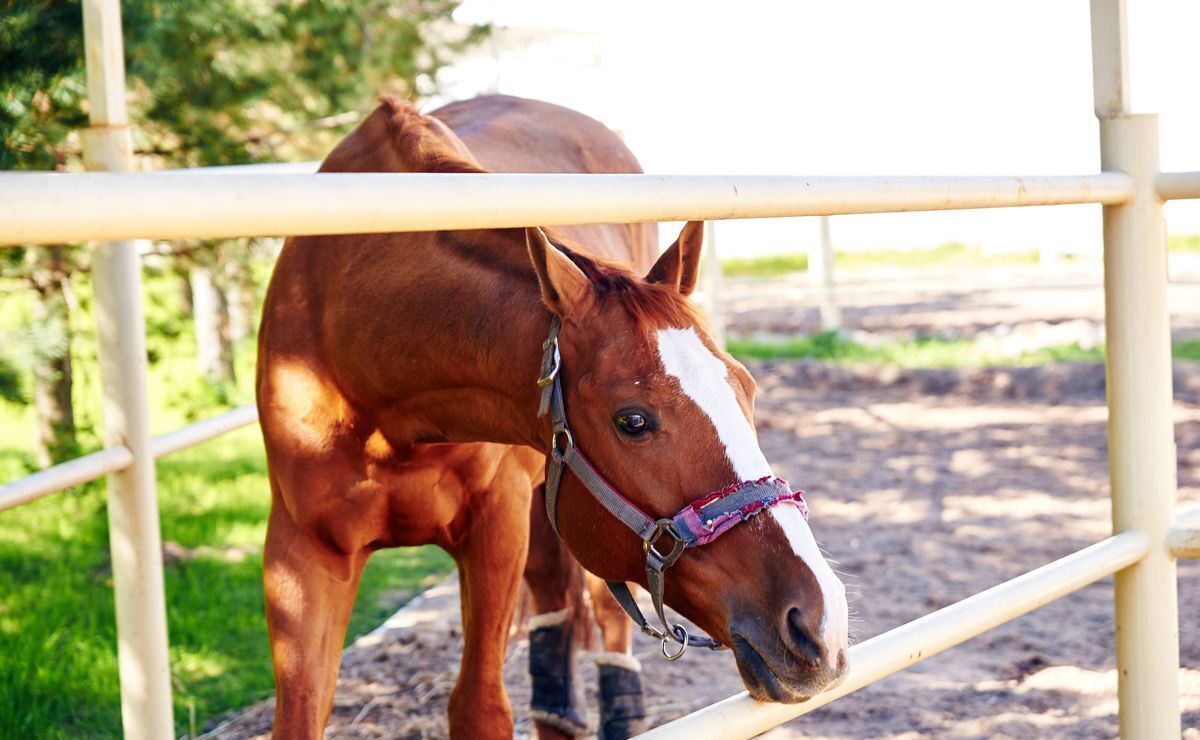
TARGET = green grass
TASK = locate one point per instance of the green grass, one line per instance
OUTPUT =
(767, 266)
(921, 353)
(1188, 349)
(950, 254)
(1183, 243)
(58, 672)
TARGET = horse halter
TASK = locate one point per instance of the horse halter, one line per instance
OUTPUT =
(696, 524)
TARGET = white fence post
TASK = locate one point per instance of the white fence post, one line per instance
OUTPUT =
(713, 283)
(820, 271)
(1141, 434)
(132, 507)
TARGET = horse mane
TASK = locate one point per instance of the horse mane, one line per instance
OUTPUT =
(418, 140)
(650, 304)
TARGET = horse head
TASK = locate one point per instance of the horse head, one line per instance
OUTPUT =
(662, 417)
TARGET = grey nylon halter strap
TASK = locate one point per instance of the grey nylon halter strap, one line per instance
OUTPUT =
(696, 524)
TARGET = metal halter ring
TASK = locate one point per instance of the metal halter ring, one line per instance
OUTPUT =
(681, 636)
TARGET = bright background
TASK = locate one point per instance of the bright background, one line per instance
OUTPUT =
(858, 87)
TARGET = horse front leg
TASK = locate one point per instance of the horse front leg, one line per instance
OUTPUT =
(622, 707)
(309, 590)
(490, 559)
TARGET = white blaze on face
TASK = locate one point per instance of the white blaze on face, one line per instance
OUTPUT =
(704, 378)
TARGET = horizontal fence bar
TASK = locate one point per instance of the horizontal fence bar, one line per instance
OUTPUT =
(1178, 185)
(742, 717)
(64, 475)
(202, 431)
(56, 208)
(99, 464)
(1183, 538)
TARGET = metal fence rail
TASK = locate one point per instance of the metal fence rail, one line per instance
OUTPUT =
(115, 459)
(64, 475)
(48, 208)
(881, 656)
(1178, 185)
(283, 200)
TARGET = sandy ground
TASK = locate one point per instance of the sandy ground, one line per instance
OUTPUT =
(925, 487)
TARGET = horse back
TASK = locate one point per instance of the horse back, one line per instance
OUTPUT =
(511, 134)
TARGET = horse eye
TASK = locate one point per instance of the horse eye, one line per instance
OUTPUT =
(633, 423)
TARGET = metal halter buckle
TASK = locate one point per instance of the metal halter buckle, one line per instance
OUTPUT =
(649, 545)
(556, 359)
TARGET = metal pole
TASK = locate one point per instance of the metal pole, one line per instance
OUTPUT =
(713, 283)
(1141, 434)
(54, 208)
(820, 270)
(132, 507)
(1110, 57)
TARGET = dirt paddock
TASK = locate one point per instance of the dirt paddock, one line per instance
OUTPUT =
(925, 487)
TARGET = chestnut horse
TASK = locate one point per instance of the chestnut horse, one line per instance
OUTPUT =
(398, 406)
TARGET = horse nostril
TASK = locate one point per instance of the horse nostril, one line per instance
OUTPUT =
(802, 642)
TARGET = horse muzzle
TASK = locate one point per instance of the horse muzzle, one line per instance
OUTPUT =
(787, 665)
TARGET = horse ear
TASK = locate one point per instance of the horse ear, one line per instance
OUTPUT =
(565, 289)
(679, 266)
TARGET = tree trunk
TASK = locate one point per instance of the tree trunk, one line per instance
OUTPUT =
(183, 280)
(54, 437)
(239, 293)
(210, 316)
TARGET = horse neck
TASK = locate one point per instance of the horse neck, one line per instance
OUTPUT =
(482, 387)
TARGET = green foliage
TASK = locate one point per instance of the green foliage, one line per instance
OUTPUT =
(220, 81)
(209, 83)
(11, 389)
(42, 87)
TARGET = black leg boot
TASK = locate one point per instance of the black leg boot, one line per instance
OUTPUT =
(555, 701)
(622, 709)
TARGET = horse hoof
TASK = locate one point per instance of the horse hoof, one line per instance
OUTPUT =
(569, 722)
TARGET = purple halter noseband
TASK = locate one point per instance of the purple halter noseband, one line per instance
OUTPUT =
(696, 524)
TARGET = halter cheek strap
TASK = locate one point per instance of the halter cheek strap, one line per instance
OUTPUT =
(663, 540)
